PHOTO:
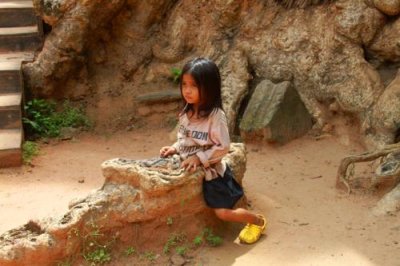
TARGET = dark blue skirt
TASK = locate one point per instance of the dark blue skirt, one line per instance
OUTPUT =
(222, 192)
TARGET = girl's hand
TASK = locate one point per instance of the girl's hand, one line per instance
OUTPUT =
(191, 163)
(167, 150)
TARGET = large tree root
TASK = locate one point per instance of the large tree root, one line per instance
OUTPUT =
(343, 175)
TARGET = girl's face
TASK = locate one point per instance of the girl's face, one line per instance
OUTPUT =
(190, 90)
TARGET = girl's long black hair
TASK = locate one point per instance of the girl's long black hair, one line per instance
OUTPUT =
(208, 79)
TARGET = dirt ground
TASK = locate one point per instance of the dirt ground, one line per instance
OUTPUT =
(310, 221)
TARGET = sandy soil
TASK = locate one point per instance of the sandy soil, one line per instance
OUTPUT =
(310, 221)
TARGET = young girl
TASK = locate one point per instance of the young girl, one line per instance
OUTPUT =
(203, 140)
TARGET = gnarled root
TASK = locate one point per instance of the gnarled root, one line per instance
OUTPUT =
(343, 176)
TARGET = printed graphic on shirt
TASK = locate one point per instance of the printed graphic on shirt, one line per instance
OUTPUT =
(193, 134)
(189, 149)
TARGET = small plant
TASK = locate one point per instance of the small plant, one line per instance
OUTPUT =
(100, 255)
(129, 251)
(42, 120)
(29, 150)
(173, 241)
(212, 239)
(170, 243)
(151, 256)
(38, 117)
(181, 250)
(176, 74)
(208, 236)
(95, 244)
(198, 241)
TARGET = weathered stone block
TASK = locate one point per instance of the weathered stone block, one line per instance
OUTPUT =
(275, 113)
(388, 7)
(136, 200)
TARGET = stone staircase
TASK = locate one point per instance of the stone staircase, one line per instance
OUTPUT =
(20, 35)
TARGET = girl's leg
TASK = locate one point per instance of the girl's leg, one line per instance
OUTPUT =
(255, 223)
(239, 215)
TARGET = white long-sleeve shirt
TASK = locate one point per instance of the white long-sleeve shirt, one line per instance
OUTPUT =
(208, 138)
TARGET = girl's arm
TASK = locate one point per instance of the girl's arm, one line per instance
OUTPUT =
(169, 150)
(219, 135)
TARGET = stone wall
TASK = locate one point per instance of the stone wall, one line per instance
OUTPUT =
(342, 53)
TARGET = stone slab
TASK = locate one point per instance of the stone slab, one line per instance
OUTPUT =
(275, 113)
(16, 4)
(16, 57)
(10, 139)
(135, 199)
(28, 30)
(10, 100)
(20, 39)
(10, 65)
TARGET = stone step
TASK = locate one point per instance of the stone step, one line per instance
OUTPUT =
(10, 119)
(10, 111)
(10, 77)
(20, 39)
(11, 100)
(17, 14)
(17, 56)
(10, 147)
(16, 4)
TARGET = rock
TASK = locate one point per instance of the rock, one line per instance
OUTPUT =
(299, 3)
(385, 114)
(235, 78)
(64, 48)
(328, 52)
(388, 7)
(388, 171)
(136, 199)
(177, 260)
(385, 44)
(389, 204)
(275, 113)
(52, 10)
(358, 22)
(318, 55)
(160, 97)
